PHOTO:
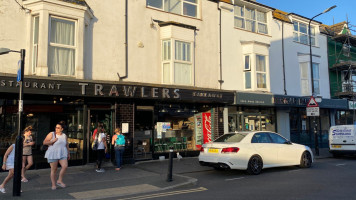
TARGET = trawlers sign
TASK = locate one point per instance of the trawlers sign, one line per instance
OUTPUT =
(112, 90)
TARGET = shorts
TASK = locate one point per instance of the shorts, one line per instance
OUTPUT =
(8, 167)
(27, 155)
(55, 160)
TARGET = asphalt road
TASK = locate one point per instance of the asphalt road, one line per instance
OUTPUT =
(330, 178)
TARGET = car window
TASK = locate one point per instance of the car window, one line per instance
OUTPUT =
(261, 138)
(277, 139)
(236, 137)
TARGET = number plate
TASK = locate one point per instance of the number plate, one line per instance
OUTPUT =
(212, 150)
(336, 146)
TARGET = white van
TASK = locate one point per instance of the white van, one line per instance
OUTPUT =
(342, 140)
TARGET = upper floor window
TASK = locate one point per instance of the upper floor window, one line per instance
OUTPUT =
(304, 74)
(181, 7)
(61, 56)
(261, 71)
(35, 31)
(250, 19)
(301, 33)
(258, 75)
(177, 62)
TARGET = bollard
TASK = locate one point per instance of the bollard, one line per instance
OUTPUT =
(170, 165)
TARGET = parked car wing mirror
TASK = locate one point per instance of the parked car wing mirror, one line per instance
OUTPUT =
(288, 142)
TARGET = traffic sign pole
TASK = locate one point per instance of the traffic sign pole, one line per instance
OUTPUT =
(313, 111)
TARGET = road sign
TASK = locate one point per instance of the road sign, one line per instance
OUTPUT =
(313, 111)
(19, 71)
(312, 102)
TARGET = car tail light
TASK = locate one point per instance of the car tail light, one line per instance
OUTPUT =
(230, 150)
(202, 149)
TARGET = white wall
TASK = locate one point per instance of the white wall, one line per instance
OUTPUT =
(292, 70)
(104, 54)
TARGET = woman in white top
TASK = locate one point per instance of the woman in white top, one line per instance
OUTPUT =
(8, 164)
(57, 152)
(102, 148)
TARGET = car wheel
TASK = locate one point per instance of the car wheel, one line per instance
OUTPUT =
(219, 168)
(255, 165)
(306, 160)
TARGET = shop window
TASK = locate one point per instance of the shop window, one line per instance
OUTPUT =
(180, 7)
(177, 62)
(301, 33)
(250, 19)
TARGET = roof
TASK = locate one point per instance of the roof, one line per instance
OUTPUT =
(281, 15)
(333, 29)
(78, 2)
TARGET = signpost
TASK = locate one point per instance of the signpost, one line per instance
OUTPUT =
(313, 111)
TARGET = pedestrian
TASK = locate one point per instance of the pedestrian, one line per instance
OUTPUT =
(96, 130)
(57, 152)
(119, 141)
(27, 152)
(8, 164)
(101, 149)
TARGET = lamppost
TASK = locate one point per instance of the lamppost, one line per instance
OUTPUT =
(312, 77)
(18, 145)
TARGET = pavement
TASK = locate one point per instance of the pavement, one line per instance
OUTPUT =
(83, 182)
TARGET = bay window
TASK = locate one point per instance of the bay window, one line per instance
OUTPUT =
(61, 55)
(250, 19)
(261, 71)
(301, 33)
(304, 74)
(177, 62)
(35, 43)
(181, 7)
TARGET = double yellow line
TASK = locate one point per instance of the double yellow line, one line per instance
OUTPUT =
(150, 196)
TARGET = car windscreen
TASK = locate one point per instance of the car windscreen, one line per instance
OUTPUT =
(236, 137)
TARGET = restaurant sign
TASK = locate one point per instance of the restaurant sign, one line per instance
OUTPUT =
(83, 88)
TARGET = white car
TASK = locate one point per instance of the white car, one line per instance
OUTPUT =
(254, 151)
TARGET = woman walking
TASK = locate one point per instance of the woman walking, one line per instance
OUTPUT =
(119, 141)
(57, 152)
(102, 148)
(27, 152)
(8, 164)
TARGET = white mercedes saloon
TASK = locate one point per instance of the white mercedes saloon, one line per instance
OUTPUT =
(254, 151)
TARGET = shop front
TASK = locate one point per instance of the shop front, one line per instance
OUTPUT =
(252, 112)
(152, 117)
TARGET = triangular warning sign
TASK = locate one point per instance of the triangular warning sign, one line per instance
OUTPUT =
(312, 103)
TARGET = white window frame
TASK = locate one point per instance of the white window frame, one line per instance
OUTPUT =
(170, 58)
(261, 72)
(254, 19)
(305, 91)
(297, 34)
(73, 47)
(35, 39)
(182, 2)
(316, 78)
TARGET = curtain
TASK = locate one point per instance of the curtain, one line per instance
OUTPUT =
(250, 25)
(182, 51)
(182, 73)
(155, 3)
(173, 6)
(239, 22)
(248, 80)
(61, 59)
(166, 73)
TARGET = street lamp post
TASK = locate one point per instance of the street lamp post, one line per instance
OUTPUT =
(19, 144)
(312, 77)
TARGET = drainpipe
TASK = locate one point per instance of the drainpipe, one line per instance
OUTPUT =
(220, 51)
(283, 65)
(126, 45)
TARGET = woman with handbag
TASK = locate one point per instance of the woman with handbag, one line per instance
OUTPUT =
(118, 140)
(57, 152)
(100, 147)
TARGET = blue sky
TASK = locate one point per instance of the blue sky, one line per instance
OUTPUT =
(309, 8)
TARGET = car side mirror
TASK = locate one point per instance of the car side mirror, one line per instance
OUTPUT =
(288, 142)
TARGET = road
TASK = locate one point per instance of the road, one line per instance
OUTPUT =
(329, 178)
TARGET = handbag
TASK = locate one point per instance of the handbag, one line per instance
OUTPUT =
(95, 143)
(44, 147)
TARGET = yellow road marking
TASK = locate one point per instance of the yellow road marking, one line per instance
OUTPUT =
(150, 196)
(94, 194)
